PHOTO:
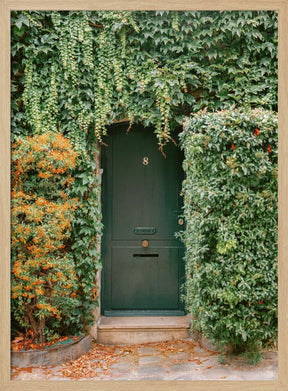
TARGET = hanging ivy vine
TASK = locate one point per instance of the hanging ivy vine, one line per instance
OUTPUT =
(148, 66)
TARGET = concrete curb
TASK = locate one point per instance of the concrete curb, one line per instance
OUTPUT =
(53, 356)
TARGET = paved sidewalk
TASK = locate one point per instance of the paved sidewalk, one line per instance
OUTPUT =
(177, 360)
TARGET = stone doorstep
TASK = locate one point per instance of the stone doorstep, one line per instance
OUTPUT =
(142, 329)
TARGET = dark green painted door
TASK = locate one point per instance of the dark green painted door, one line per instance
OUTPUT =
(141, 202)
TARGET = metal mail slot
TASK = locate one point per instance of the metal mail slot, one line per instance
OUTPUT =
(146, 255)
(144, 231)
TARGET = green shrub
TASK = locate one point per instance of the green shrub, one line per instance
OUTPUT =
(230, 207)
(86, 238)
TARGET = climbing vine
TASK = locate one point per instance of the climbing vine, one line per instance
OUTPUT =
(91, 68)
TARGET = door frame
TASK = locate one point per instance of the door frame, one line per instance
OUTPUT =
(105, 307)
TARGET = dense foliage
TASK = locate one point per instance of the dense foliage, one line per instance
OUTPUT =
(77, 72)
(230, 195)
(44, 283)
(85, 239)
(85, 69)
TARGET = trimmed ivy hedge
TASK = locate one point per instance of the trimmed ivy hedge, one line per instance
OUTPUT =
(230, 208)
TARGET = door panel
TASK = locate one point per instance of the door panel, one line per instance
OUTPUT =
(140, 278)
(141, 201)
(144, 179)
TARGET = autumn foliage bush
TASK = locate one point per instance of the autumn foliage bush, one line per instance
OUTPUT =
(44, 284)
(230, 197)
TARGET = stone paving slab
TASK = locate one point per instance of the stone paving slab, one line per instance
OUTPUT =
(178, 360)
(151, 370)
(146, 351)
(148, 360)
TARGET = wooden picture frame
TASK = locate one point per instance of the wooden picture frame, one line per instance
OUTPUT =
(9, 5)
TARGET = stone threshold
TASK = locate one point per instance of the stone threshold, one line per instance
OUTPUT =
(141, 329)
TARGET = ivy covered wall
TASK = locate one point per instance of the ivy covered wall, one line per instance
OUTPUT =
(82, 70)
(77, 72)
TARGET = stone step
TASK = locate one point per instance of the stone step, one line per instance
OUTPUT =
(141, 329)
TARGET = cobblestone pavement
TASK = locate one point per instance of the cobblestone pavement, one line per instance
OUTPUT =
(177, 360)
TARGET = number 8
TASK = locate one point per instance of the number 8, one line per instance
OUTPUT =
(145, 161)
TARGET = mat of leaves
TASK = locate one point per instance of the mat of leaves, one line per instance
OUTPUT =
(98, 362)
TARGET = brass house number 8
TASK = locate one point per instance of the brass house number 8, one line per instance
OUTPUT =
(145, 161)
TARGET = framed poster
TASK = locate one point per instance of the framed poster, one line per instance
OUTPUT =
(6, 7)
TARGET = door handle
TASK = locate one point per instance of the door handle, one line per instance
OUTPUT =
(145, 243)
(180, 221)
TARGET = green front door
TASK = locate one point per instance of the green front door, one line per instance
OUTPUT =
(141, 206)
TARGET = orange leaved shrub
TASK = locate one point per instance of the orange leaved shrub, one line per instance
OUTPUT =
(43, 272)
